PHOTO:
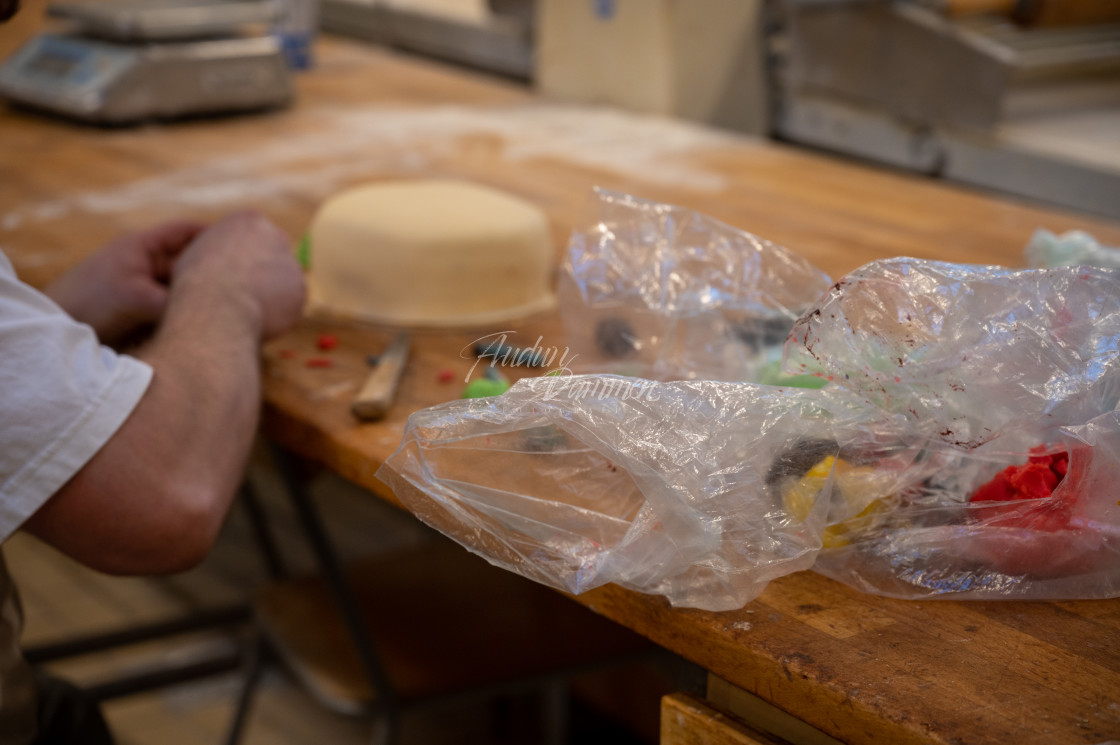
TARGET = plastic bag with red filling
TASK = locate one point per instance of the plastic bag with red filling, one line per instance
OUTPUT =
(1012, 377)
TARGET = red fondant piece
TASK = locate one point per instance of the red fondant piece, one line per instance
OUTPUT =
(1034, 481)
(327, 342)
(446, 376)
(1017, 533)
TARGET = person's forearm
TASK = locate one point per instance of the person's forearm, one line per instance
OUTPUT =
(153, 499)
(204, 401)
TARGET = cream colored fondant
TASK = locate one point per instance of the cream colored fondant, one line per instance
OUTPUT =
(430, 253)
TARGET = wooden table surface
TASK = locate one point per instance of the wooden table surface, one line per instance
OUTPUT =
(860, 668)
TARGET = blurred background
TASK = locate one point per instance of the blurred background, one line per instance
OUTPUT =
(1019, 96)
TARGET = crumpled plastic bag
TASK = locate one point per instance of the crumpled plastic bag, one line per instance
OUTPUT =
(1073, 248)
(969, 353)
(661, 292)
(663, 488)
(993, 369)
(967, 446)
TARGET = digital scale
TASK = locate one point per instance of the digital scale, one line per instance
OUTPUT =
(124, 61)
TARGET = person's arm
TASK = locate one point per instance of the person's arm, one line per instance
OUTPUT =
(154, 497)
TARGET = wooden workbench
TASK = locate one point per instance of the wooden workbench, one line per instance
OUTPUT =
(860, 668)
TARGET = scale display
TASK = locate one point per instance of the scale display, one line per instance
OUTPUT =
(116, 81)
(58, 65)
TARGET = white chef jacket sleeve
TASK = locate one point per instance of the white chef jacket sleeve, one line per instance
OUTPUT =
(62, 396)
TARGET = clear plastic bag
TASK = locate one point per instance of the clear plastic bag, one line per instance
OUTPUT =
(994, 369)
(968, 353)
(665, 488)
(967, 445)
(661, 292)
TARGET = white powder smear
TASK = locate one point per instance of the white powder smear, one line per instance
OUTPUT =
(339, 145)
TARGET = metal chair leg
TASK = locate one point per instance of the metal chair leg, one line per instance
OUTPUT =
(386, 709)
(254, 668)
(197, 621)
(262, 535)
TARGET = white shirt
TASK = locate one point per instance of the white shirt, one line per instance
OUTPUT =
(62, 396)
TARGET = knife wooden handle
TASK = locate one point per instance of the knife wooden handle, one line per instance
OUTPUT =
(376, 395)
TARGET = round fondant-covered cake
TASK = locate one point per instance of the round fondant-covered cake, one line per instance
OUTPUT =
(438, 253)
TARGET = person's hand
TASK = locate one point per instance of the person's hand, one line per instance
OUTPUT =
(244, 258)
(123, 287)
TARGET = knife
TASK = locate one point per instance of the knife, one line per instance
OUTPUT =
(376, 395)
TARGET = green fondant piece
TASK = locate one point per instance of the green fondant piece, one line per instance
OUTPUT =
(771, 374)
(483, 387)
(303, 251)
